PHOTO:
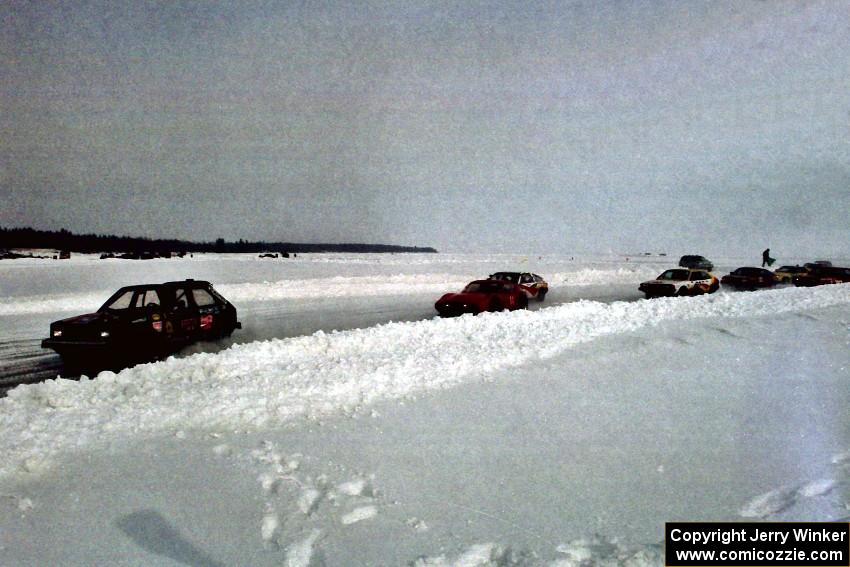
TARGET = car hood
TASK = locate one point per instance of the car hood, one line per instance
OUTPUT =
(464, 297)
(82, 320)
(664, 282)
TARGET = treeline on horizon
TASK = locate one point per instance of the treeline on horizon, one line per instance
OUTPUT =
(93, 243)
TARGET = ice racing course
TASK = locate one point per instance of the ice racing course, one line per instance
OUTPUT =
(347, 425)
(268, 310)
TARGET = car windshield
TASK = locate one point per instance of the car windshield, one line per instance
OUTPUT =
(505, 276)
(674, 275)
(747, 272)
(119, 303)
(484, 287)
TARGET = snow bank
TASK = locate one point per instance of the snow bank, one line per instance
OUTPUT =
(585, 552)
(334, 287)
(266, 383)
(399, 284)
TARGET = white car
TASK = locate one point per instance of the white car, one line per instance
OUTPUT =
(679, 282)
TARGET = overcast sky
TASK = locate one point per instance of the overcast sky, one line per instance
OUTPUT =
(624, 126)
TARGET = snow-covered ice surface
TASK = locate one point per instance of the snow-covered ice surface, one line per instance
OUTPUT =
(566, 435)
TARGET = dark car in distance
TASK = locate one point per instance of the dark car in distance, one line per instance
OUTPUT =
(482, 295)
(749, 278)
(142, 322)
(822, 275)
(695, 262)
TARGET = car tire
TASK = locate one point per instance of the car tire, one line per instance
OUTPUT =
(495, 306)
(522, 303)
(713, 287)
(683, 292)
(541, 295)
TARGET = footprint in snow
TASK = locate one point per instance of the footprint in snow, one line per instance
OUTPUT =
(309, 500)
(769, 503)
(781, 499)
(817, 488)
(359, 514)
(304, 553)
(270, 529)
(841, 459)
(356, 487)
(223, 450)
(23, 503)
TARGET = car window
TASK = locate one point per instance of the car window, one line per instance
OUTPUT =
(202, 297)
(505, 276)
(181, 299)
(146, 298)
(699, 276)
(121, 302)
(674, 275)
(483, 287)
(526, 279)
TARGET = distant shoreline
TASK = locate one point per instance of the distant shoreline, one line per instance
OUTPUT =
(30, 238)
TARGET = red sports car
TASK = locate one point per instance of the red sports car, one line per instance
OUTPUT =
(483, 295)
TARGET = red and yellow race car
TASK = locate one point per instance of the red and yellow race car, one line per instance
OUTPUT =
(680, 282)
(533, 285)
(483, 295)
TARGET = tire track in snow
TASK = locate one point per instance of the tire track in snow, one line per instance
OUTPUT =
(268, 383)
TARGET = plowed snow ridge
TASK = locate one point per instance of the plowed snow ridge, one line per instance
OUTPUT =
(341, 286)
(266, 383)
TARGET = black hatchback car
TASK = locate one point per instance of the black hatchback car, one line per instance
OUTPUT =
(141, 322)
(695, 262)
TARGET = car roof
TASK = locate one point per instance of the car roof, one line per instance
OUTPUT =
(181, 283)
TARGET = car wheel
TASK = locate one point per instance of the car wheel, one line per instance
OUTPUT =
(713, 287)
(683, 291)
(541, 295)
(495, 305)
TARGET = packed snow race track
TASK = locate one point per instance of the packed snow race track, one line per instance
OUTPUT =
(268, 310)
(346, 425)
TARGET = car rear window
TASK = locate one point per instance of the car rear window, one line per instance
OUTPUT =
(202, 297)
(484, 287)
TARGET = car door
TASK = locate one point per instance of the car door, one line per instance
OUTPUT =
(528, 285)
(144, 317)
(700, 280)
(184, 315)
(209, 311)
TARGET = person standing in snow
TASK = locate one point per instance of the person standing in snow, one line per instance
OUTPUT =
(765, 258)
